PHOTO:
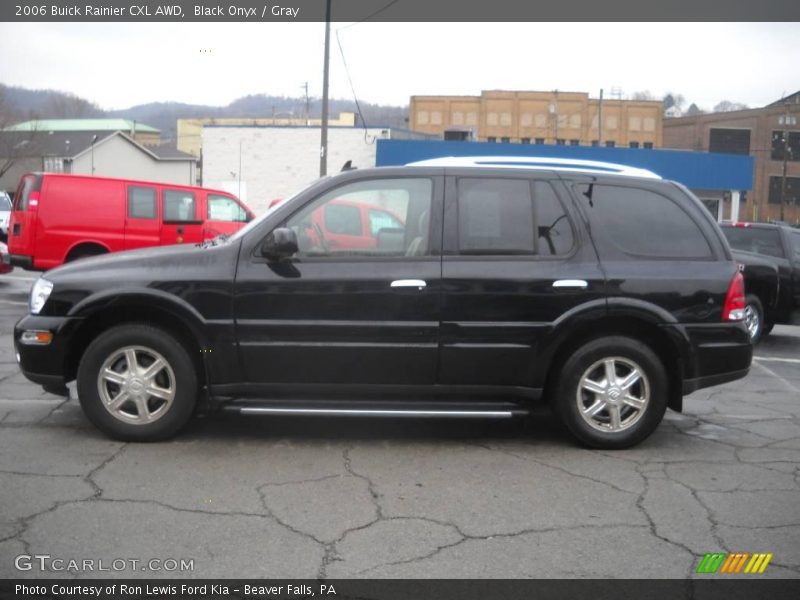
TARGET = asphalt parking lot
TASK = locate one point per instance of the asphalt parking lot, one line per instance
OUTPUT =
(255, 497)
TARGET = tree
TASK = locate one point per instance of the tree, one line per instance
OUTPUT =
(13, 144)
(694, 110)
(69, 106)
(673, 100)
(728, 106)
(643, 95)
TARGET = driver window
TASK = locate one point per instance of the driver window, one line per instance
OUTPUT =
(378, 217)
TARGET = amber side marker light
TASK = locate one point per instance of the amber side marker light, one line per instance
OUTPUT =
(36, 338)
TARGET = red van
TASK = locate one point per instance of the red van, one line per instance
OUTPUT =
(58, 218)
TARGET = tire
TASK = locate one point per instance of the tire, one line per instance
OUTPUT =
(157, 404)
(616, 424)
(754, 318)
(767, 329)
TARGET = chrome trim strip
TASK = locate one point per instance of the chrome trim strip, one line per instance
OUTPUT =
(359, 412)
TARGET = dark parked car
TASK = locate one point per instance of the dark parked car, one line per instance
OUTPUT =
(762, 246)
(605, 290)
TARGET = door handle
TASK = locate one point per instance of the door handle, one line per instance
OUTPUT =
(570, 283)
(403, 283)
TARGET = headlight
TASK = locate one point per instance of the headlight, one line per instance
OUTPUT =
(39, 294)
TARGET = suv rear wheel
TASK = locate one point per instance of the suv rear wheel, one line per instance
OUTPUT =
(612, 392)
(137, 383)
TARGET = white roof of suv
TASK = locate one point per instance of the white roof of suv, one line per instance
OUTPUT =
(535, 162)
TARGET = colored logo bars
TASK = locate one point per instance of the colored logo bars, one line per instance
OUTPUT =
(734, 563)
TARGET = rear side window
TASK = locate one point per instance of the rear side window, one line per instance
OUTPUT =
(643, 223)
(755, 239)
(495, 216)
(141, 202)
(179, 205)
(501, 216)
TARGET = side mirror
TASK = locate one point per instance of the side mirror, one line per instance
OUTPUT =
(280, 243)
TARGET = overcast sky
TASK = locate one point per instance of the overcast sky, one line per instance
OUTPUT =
(120, 65)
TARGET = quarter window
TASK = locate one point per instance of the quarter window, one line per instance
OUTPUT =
(643, 223)
(141, 203)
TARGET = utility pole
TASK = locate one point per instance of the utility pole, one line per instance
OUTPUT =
(600, 119)
(786, 120)
(323, 144)
(305, 87)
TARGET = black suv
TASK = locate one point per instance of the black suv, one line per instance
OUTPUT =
(457, 288)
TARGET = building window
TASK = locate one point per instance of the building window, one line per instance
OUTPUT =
(635, 123)
(595, 143)
(540, 120)
(792, 189)
(729, 141)
(792, 146)
(491, 118)
(610, 122)
(436, 118)
(422, 117)
(539, 141)
(610, 143)
(457, 118)
(561, 142)
(505, 119)
(574, 142)
(53, 164)
(575, 121)
(491, 140)
(634, 145)
(648, 145)
(525, 140)
(649, 124)
(505, 140)
(472, 118)
(526, 119)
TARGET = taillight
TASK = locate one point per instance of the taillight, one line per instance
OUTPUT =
(733, 309)
(33, 201)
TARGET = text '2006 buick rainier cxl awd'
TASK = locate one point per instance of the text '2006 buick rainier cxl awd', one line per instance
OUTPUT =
(451, 287)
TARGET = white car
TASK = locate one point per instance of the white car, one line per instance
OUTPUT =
(5, 213)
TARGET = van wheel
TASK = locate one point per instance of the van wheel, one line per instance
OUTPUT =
(754, 317)
(85, 252)
(137, 383)
(612, 392)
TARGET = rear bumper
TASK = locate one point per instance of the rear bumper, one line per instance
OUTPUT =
(716, 354)
(21, 260)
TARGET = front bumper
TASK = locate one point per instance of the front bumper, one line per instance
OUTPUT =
(46, 364)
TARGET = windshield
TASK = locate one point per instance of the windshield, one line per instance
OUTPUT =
(755, 239)
(5, 201)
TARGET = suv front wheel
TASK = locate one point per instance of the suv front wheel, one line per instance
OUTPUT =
(137, 383)
(612, 392)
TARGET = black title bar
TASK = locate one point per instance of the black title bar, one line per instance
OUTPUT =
(281, 11)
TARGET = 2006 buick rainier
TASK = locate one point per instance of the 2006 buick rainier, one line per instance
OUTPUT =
(453, 287)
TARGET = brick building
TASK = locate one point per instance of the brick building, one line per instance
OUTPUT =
(768, 134)
(528, 117)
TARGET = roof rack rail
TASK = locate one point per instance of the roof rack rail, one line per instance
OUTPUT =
(536, 162)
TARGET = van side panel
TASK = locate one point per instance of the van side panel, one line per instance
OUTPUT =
(78, 210)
